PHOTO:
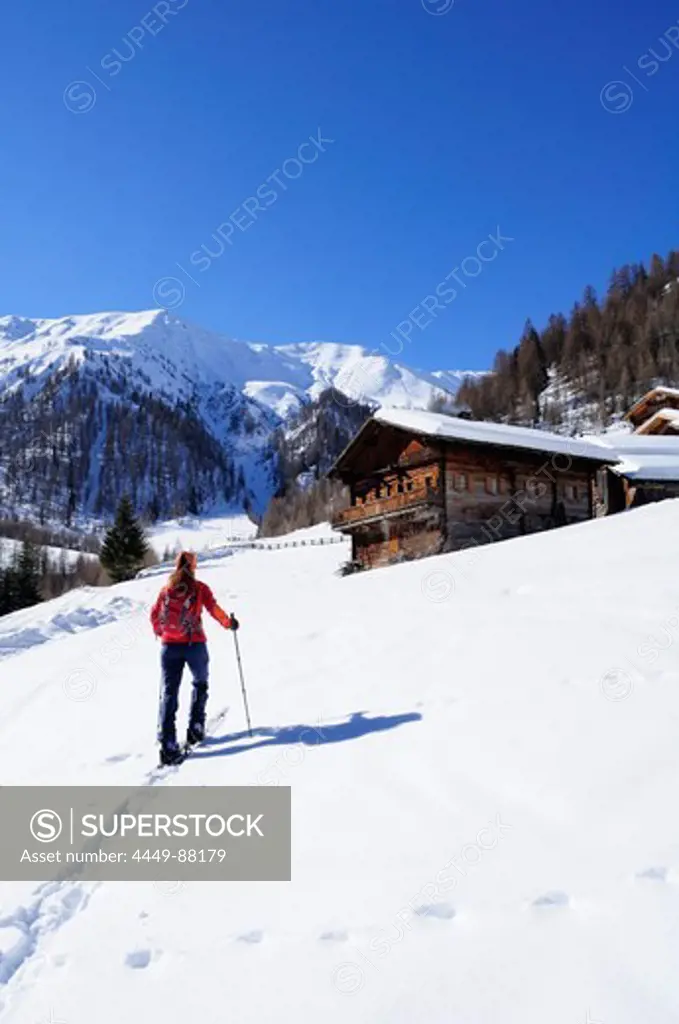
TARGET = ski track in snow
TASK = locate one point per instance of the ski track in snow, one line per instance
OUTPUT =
(54, 904)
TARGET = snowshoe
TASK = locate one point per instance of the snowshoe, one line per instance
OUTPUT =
(171, 756)
(195, 734)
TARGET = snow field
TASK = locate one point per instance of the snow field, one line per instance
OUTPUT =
(482, 750)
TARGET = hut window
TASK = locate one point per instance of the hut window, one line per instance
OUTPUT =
(400, 487)
(461, 482)
(409, 485)
(429, 482)
(491, 484)
(575, 493)
(388, 490)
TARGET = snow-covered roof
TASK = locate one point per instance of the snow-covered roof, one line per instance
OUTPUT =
(479, 432)
(667, 391)
(644, 456)
(651, 467)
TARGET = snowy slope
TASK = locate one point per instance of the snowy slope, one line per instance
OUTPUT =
(174, 356)
(483, 817)
(194, 534)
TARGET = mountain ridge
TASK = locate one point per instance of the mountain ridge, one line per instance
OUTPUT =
(304, 367)
(215, 402)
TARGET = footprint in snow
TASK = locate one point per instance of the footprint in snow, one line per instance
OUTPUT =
(441, 911)
(555, 898)
(653, 874)
(117, 758)
(251, 937)
(339, 935)
(138, 959)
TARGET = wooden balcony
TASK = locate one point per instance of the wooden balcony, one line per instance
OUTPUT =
(383, 508)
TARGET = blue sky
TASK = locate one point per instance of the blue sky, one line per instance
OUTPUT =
(131, 134)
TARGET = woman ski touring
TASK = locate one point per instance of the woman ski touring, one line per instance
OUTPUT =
(176, 620)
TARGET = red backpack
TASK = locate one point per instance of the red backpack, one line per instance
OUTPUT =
(180, 611)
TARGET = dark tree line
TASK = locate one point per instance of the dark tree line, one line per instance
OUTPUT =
(48, 536)
(20, 581)
(604, 353)
(77, 441)
(32, 576)
(303, 506)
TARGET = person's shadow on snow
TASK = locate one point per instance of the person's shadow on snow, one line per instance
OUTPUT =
(311, 735)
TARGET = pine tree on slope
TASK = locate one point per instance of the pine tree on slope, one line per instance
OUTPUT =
(125, 545)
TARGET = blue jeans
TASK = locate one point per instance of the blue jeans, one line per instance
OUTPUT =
(173, 659)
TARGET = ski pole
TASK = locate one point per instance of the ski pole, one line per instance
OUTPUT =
(242, 681)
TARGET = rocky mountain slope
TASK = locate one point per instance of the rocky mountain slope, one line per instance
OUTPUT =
(182, 418)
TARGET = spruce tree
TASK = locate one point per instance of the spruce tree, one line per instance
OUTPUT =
(125, 545)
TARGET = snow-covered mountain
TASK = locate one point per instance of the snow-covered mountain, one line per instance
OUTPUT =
(91, 405)
(172, 357)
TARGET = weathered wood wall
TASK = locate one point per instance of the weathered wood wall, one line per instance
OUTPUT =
(409, 500)
(414, 496)
(644, 492)
(493, 497)
(414, 535)
(415, 481)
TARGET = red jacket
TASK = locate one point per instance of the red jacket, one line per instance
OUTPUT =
(176, 618)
